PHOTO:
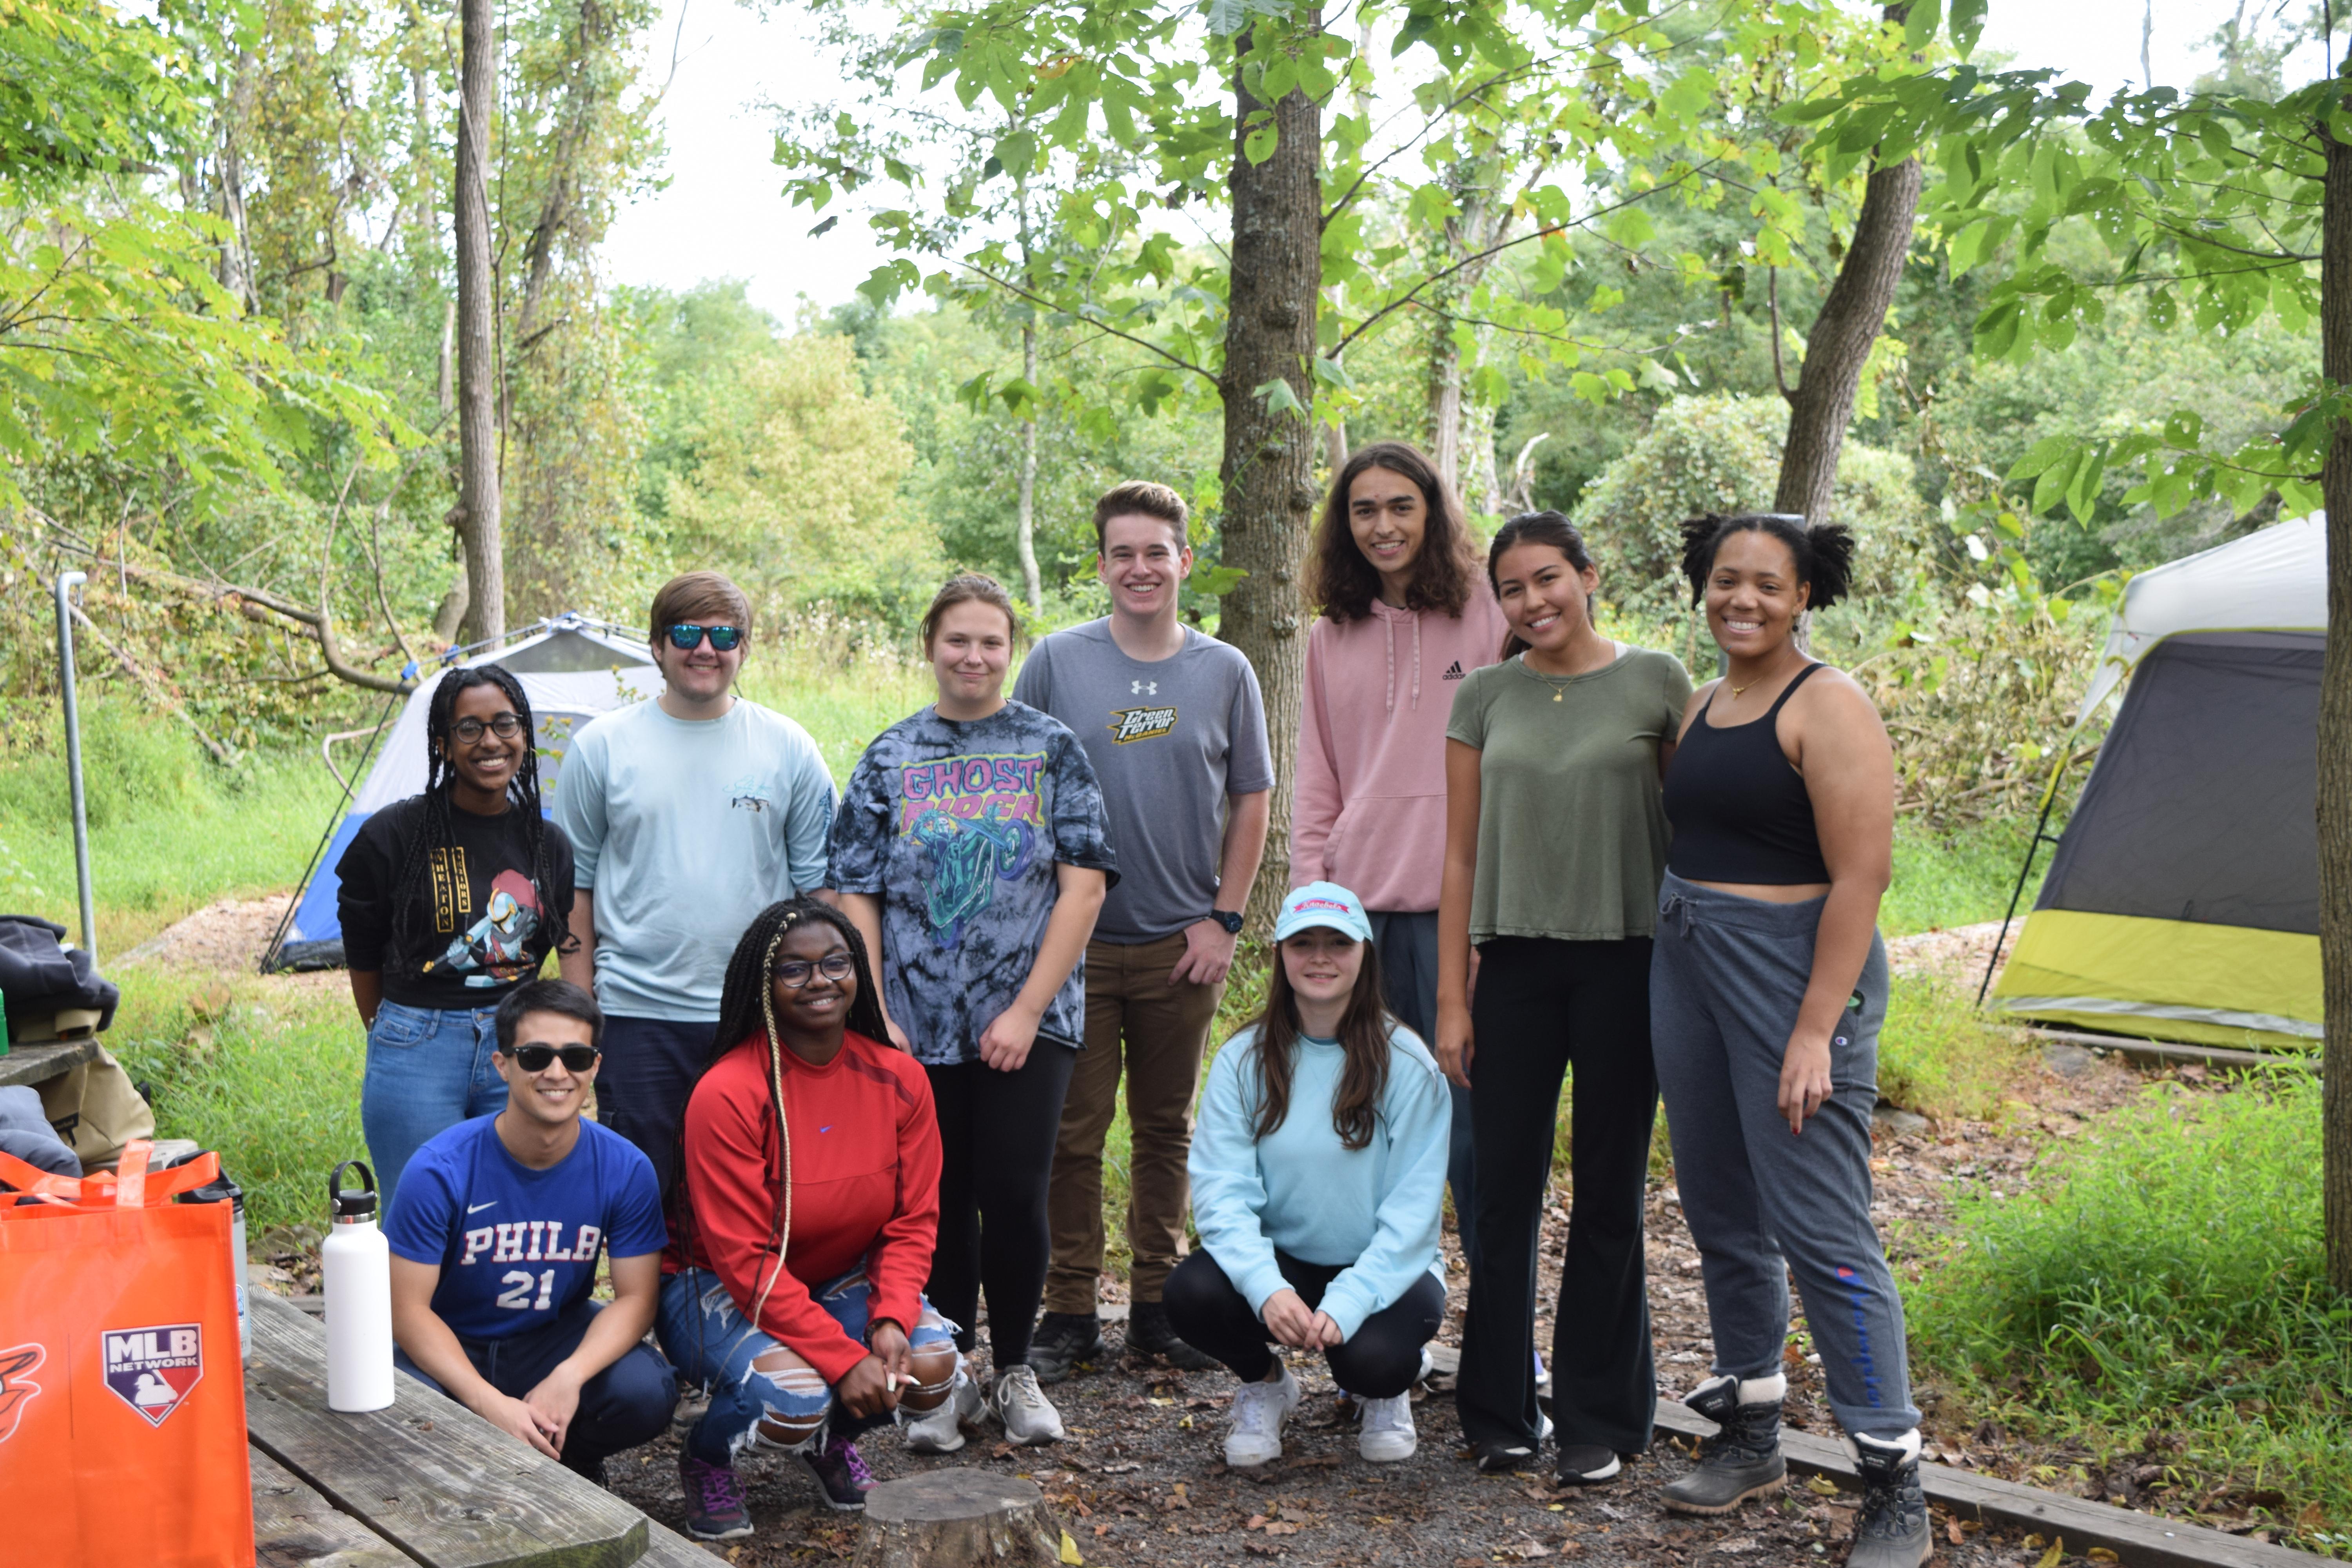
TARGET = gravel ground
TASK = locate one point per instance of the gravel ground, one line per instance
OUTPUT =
(1142, 1478)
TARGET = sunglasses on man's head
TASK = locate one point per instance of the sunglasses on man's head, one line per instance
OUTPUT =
(794, 972)
(505, 726)
(686, 638)
(539, 1058)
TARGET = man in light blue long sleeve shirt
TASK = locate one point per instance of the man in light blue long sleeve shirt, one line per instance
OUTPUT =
(1307, 1239)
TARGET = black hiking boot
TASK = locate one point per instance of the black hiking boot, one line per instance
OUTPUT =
(1892, 1529)
(1148, 1332)
(1742, 1460)
(1063, 1341)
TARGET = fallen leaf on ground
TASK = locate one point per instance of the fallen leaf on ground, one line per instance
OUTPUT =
(1070, 1551)
(1822, 1485)
(2101, 1554)
(2056, 1555)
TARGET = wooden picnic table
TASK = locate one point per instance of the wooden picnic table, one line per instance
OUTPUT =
(36, 1064)
(425, 1483)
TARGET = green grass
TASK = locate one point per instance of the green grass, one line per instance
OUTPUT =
(267, 1073)
(1959, 879)
(2165, 1301)
(1936, 1056)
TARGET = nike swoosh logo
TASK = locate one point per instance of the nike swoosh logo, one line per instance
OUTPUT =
(477, 1208)
(825, 1130)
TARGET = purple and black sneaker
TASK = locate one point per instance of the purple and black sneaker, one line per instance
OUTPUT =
(840, 1470)
(714, 1501)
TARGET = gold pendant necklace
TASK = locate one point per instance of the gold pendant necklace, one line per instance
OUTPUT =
(1735, 690)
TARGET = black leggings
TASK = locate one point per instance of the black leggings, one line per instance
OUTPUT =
(1380, 1360)
(1543, 1005)
(996, 1150)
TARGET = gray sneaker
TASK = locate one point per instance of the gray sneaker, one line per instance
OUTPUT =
(1028, 1415)
(940, 1430)
(1892, 1529)
(1742, 1460)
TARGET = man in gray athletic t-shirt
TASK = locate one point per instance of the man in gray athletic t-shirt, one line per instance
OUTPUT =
(1175, 727)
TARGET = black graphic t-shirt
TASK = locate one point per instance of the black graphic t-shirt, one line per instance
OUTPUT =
(478, 931)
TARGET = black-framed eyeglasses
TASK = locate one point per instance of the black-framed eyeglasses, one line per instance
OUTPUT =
(539, 1058)
(505, 726)
(686, 638)
(793, 972)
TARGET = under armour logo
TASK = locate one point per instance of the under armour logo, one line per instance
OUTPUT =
(1143, 688)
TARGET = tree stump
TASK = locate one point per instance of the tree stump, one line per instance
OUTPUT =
(958, 1519)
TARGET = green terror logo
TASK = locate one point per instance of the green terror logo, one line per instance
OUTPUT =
(1141, 725)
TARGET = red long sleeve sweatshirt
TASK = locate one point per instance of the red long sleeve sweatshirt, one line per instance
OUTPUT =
(865, 1187)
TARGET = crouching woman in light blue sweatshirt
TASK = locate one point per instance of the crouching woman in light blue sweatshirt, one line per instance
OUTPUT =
(1316, 1173)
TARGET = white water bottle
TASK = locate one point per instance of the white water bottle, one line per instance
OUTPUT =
(357, 1264)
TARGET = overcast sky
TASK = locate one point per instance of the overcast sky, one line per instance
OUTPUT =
(722, 216)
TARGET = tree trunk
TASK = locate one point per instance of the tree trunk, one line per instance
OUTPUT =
(1268, 469)
(1025, 526)
(478, 377)
(1822, 405)
(2335, 723)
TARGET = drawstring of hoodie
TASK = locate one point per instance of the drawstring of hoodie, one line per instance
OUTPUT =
(1388, 629)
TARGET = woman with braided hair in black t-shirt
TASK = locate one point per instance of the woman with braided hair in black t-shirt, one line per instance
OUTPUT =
(449, 900)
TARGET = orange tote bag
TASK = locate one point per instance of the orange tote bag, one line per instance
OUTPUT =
(121, 1392)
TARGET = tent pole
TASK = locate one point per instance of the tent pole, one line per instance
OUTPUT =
(2049, 799)
(67, 582)
(277, 937)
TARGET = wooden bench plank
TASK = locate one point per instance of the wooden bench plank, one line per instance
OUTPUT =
(36, 1064)
(665, 1548)
(294, 1527)
(427, 1475)
(2137, 1540)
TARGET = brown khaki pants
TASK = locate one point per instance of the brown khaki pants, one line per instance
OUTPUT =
(1162, 1030)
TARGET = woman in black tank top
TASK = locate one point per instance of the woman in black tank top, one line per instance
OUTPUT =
(1768, 985)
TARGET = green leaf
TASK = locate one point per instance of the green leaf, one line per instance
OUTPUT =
(2044, 452)
(2185, 429)
(1259, 144)
(1278, 398)
(1919, 28)
(1968, 25)
(2055, 479)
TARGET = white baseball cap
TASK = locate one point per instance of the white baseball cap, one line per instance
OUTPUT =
(1322, 904)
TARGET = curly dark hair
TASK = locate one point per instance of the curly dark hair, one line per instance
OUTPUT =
(1824, 552)
(411, 890)
(1443, 573)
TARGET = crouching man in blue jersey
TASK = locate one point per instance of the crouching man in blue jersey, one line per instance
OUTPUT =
(493, 1248)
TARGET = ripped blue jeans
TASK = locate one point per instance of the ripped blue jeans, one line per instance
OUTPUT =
(712, 1345)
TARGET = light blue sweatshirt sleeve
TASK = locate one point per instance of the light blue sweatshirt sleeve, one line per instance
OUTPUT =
(1416, 1118)
(808, 825)
(1228, 1190)
(579, 806)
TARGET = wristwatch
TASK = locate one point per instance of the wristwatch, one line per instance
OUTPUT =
(1227, 919)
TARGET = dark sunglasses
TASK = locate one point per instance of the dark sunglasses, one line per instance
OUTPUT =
(685, 638)
(539, 1058)
(793, 972)
(505, 726)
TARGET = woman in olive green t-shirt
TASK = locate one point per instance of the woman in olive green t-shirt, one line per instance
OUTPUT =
(1555, 845)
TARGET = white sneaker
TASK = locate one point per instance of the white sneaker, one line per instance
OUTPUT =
(1028, 1415)
(1259, 1411)
(1388, 1435)
(940, 1430)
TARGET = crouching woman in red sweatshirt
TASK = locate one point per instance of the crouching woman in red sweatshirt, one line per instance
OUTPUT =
(803, 1224)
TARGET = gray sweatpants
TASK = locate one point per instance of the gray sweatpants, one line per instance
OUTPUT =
(1727, 977)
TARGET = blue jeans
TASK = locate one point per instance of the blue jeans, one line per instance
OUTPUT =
(427, 1069)
(1407, 941)
(627, 1404)
(712, 1344)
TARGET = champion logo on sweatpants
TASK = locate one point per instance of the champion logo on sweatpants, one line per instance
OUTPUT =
(1453, 671)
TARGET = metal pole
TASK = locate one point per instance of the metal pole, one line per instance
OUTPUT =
(67, 582)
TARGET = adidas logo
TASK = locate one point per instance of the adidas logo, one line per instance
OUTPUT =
(1453, 671)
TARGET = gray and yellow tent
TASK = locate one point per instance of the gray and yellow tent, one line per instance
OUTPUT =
(2183, 902)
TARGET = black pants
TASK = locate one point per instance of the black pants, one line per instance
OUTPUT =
(1378, 1362)
(1541, 1007)
(997, 1131)
(626, 1404)
(650, 1067)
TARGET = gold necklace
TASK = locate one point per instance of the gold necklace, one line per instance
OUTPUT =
(1735, 690)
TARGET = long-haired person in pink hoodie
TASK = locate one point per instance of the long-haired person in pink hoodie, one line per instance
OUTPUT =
(1407, 614)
